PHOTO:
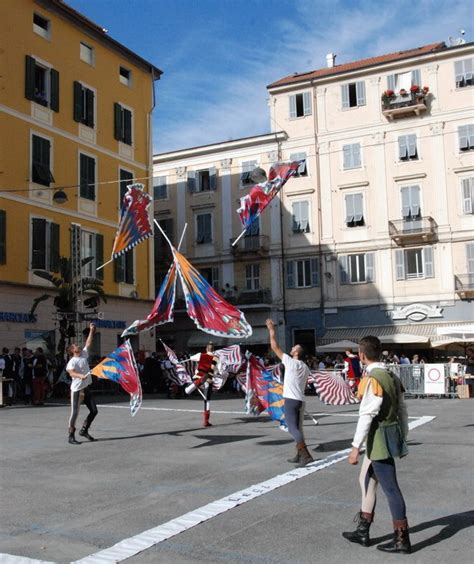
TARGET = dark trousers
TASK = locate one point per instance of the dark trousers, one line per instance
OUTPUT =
(294, 416)
(382, 472)
(88, 399)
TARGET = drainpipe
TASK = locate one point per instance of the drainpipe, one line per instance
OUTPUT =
(282, 245)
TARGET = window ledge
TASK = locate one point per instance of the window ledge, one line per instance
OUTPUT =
(41, 113)
(300, 192)
(405, 177)
(207, 205)
(353, 185)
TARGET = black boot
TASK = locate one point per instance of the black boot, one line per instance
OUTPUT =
(84, 432)
(401, 539)
(304, 457)
(295, 458)
(361, 534)
(72, 438)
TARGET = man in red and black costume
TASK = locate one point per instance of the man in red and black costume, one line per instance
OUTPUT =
(202, 379)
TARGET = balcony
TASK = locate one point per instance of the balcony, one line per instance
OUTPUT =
(251, 244)
(464, 286)
(404, 106)
(252, 297)
(412, 231)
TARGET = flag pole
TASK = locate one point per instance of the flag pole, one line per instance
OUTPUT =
(163, 233)
(239, 237)
(182, 236)
(105, 264)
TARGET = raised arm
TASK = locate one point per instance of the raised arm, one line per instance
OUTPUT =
(273, 342)
(91, 336)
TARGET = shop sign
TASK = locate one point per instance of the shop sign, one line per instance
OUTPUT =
(109, 324)
(416, 312)
(14, 317)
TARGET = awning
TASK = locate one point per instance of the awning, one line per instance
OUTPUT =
(199, 339)
(338, 346)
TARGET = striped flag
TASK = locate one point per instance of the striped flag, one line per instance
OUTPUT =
(332, 389)
(230, 359)
(182, 376)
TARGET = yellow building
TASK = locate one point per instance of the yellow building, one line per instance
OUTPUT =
(75, 119)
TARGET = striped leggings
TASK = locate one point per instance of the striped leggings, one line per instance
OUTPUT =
(76, 399)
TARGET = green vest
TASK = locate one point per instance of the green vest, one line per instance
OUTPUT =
(385, 438)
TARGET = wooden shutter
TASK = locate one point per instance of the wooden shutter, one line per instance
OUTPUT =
(369, 267)
(78, 111)
(191, 181)
(213, 178)
(345, 96)
(463, 137)
(356, 160)
(400, 264)
(350, 212)
(83, 178)
(428, 266)
(459, 73)
(99, 255)
(406, 201)
(126, 178)
(207, 228)
(306, 103)
(127, 127)
(54, 82)
(3, 237)
(343, 269)
(54, 247)
(358, 207)
(118, 121)
(290, 277)
(360, 92)
(119, 269)
(38, 243)
(129, 274)
(29, 78)
(402, 147)
(89, 107)
(296, 217)
(292, 106)
(412, 146)
(304, 217)
(314, 272)
(468, 194)
(347, 156)
(91, 178)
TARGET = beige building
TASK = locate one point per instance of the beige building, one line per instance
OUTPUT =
(376, 234)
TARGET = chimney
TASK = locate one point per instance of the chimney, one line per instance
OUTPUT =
(330, 60)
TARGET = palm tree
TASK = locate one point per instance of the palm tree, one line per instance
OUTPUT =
(65, 300)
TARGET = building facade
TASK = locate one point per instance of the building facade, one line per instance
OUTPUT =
(375, 235)
(75, 111)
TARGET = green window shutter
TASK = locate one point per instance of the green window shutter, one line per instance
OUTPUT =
(118, 121)
(129, 275)
(38, 244)
(29, 78)
(127, 127)
(91, 178)
(126, 178)
(54, 247)
(99, 255)
(3, 237)
(89, 108)
(191, 181)
(119, 272)
(77, 101)
(54, 103)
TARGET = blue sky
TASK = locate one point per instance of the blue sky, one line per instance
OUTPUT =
(219, 55)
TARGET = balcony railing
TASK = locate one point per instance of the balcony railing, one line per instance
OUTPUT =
(416, 230)
(404, 106)
(258, 244)
(252, 297)
(464, 285)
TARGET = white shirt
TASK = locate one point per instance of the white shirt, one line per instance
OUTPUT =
(296, 377)
(79, 364)
(370, 407)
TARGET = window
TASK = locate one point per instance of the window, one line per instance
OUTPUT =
(41, 84)
(87, 179)
(351, 156)
(354, 210)
(302, 273)
(122, 124)
(414, 263)
(300, 217)
(466, 137)
(203, 228)
(302, 169)
(247, 168)
(353, 94)
(83, 104)
(160, 189)
(470, 261)
(41, 26)
(3, 237)
(126, 178)
(161, 246)
(468, 195)
(44, 245)
(404, 81)
(40, 161)
(411, 203)
(211, 276)
(252, 277)
(464, 73)
(407, 148)
(125, 76)
(86, 53)
(92, 245)
(202, 180)
(123, 266)
(356, 269)
(300, 105)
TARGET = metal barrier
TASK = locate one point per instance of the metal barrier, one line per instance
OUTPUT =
(412, 376)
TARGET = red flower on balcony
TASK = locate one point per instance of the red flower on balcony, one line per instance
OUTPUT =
(415, 89)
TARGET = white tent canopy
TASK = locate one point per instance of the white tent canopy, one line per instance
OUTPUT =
(339, 346)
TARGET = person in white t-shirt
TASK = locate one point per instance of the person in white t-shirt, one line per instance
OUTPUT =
(78, 369)
(296, 377)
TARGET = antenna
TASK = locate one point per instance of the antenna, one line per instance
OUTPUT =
(454, 41)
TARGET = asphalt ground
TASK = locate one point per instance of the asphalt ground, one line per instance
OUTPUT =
(61, 503)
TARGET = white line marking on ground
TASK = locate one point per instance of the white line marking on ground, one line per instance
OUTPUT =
(12, 559)
(170, 409)
(138, 543)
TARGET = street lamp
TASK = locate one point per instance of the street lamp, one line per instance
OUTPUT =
(60, 197)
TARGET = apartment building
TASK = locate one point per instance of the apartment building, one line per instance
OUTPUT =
(75, 111)
(376, 233)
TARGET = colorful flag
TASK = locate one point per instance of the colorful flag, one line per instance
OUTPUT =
(260, 195)
(120, 367)
(182, 375)
(332, 389)
(229, 359)
(134, 226)
(263, 392)
(162, 311)
(211, 313)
